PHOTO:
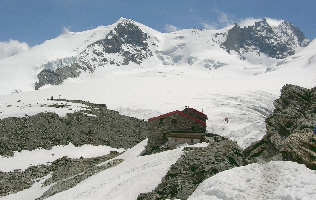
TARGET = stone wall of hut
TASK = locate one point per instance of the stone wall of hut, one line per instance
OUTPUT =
(174, 123)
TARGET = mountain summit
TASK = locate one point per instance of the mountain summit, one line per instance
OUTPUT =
(254, 48)
(276, 41)
(126, 43)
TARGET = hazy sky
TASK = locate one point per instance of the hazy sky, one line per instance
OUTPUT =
(34, 21)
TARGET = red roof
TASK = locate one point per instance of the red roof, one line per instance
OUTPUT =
(179, 113)
(204, 115)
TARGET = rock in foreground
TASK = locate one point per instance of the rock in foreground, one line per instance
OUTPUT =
(289, 129)
(196, 165)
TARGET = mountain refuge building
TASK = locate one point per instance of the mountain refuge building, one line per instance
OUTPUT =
(177, 127)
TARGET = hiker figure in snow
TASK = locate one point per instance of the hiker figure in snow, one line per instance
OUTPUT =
(226, 119)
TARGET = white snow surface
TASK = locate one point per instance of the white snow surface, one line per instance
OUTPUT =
(151, 89)
(24, 159)
(19, 72)
(136, 174)
(16, 107)
(274, 22)
(277, 180)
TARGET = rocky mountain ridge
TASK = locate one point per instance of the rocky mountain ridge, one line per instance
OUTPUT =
(128, 42)
(262, 38)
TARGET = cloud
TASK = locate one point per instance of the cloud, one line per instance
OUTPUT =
(209, 26)
(250, 21)
(222, 19)
(170, 28)
(274, 22)
(11, 48)
(66, 30)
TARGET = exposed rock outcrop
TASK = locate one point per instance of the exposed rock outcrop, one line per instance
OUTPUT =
(126, 43)
(56, 77)
(276, 42)
(289, 129)
(196, 165)
(96, 125)
(300, 147)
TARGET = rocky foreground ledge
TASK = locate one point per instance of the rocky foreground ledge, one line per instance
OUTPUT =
(289, 129)
(196, 165)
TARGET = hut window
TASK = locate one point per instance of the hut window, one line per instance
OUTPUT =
(174, 121)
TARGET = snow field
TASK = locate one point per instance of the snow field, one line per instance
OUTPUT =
(145, 92)
(276, 180)
(24, 105)
(19, 71)
(136, 174)
(24, 159)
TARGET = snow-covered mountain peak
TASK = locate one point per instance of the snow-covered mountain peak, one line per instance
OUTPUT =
(251, 22)
(124, 20)
(275, 39)
(125, 43)
(273, 22)
(251, 47)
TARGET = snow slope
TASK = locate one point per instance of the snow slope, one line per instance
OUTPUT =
(24, 159)
(136, 174)
(16, 107)
(277, 180)
(19, 71)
